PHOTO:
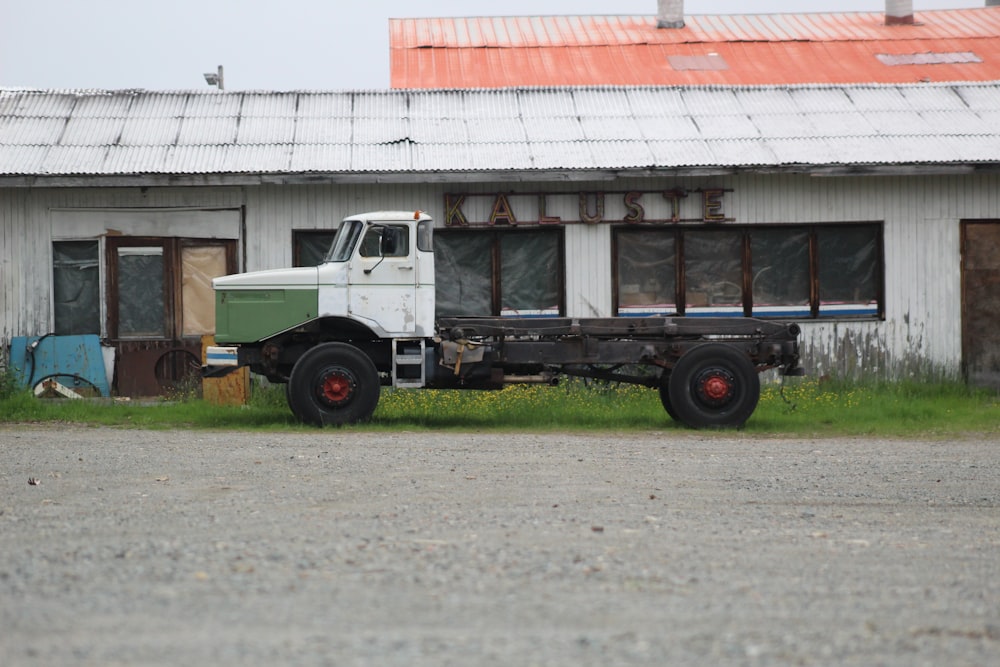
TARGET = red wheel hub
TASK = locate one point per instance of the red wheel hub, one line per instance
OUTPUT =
(336, 387)
(716, 388)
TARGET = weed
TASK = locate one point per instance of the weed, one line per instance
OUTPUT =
(9, 385)
(905, 409)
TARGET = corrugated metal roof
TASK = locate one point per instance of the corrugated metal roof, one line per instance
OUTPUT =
(51, 134)
(486, 52)
(560, 31)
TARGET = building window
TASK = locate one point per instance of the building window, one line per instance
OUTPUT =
(789, 271)
(515, 273)
(76, 287)
(779, 272)
(309, 248)
(849, 271)
(713, 272)
(161, 288)
(647, 272)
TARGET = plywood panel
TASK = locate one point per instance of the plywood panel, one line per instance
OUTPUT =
(232, 389)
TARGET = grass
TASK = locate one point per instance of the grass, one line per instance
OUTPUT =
(803, 407)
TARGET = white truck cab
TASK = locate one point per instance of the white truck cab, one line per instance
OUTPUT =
(379, 273)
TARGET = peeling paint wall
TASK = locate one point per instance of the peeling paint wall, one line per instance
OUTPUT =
(920, 337)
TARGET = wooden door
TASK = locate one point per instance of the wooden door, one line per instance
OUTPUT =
(981, 303)
(160, 302)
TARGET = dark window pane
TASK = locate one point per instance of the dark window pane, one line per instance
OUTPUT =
(848, 270)
(386, 241)
(311, 248)
(140, 293)
(76, 287)
(530, 273)
(647, 263)
(713, 271)
(463, 274)
(780, 272)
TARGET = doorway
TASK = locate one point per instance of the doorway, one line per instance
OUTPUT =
(981, 303)
(159, 304)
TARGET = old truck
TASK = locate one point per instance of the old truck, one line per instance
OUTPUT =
(336, 333)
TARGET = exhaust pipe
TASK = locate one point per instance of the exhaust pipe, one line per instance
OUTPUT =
(670, 13)
(899, 12)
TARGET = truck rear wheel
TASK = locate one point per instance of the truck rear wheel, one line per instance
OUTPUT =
(665, 396)
(334, 384)
(713, 386)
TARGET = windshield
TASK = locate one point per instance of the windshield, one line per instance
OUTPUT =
(344, 242)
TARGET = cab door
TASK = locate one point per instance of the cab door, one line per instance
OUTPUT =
(383, 280)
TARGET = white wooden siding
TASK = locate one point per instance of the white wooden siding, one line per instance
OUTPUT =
(921, 335)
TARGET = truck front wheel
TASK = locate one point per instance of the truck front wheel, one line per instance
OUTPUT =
(713, 386)
(333, 384)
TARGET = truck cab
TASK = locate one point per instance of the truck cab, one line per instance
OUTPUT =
(378, 275)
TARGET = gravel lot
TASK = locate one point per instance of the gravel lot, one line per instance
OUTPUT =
(411, 549)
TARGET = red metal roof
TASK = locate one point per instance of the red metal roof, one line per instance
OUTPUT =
(492, 52)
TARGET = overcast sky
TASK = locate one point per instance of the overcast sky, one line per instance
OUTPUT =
(273, 44)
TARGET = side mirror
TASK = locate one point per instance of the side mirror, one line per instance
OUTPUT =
(389, 242)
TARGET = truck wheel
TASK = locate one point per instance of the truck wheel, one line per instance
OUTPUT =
(665, 396)
(714, 386)
(333, 384)
(291, 404)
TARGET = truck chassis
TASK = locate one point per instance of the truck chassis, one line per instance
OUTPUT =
(705, 369)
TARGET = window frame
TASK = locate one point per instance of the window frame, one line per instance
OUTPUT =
(813, 311)
(99, 287)
(496, 279)
(172, 248)
(298, 237)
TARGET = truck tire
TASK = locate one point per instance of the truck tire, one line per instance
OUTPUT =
(713, 386)
(333, 384)
(665, 396)
(291, 404)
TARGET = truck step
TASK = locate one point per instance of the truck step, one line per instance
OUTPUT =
(408, 363)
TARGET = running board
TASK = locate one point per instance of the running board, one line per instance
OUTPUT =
(408, 370)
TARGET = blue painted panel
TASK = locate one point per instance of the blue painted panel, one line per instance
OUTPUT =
(74, 361)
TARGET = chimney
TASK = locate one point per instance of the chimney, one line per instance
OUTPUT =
(669, 13)
(899, 12)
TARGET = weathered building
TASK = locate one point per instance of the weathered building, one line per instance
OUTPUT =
(869, 213)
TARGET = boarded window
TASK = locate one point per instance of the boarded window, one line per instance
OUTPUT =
(713, 271)
(647, 268)
(76, 287)
(530, 274)
(463, 274)
(499, 273)
(199, 264)
(780, 272)
(767, 271)
(848, 270)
